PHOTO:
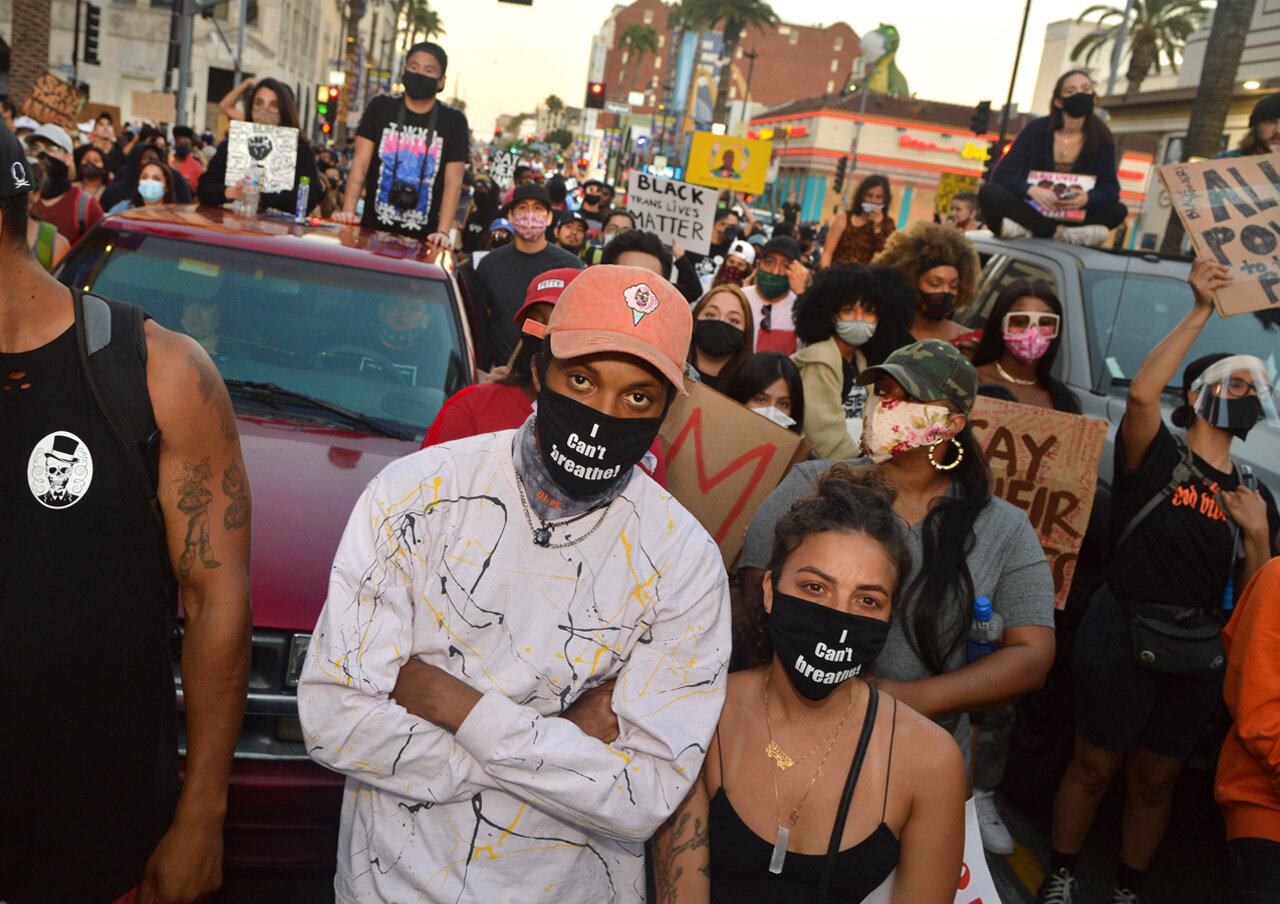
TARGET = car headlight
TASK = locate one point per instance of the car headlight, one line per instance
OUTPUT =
(297, 657)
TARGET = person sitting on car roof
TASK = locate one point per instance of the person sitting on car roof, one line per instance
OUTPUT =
(525, 643)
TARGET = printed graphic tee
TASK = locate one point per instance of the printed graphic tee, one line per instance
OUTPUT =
(438, 564)
(411, 154)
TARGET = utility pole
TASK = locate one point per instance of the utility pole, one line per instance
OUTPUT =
(75, 50)
(1119, 48)
(1013, 76)
(746, 100)
(184, 59)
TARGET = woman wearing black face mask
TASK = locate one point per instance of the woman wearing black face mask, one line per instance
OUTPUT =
(942, 266)
(803, 721)
(1071, 139)
(1178, 507)
(722, 331)
(91, 170)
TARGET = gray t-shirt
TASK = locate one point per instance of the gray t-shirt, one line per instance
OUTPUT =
(1007, 564)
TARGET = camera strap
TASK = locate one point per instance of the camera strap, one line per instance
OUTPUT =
(432, 117)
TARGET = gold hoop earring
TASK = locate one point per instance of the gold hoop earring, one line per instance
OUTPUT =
(959, 455)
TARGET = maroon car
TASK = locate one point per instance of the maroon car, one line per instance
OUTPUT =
(338, 346)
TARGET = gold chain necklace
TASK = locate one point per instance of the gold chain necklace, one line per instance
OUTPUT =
(1011, 378)
(774, 752)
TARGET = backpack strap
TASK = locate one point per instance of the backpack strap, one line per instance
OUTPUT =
(1183, 471)
(112, 342)
(46, 240)
(82, 210)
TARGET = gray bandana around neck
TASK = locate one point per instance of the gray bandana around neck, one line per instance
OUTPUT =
(546, 500)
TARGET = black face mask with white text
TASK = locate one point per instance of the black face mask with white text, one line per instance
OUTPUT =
(821, 648)
(585, 451)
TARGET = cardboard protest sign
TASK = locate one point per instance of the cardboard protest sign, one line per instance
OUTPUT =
(157, 106)
(723, 460)
(91, 111)
(722, 161)
(273, 148)
(975, 886)
(503, 169)
(675, 211)
(52, 100)
(1231, 209)
(1062, 185)
(1046, 463)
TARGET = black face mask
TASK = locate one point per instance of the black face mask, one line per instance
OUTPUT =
(591, 199)
(820, 647)
(937, 305)
(587, 452)
(1239, 415)
(419, 86)
(717, 338)
(182, 152)
(57, 177)
(1078, 105)
(90, 170)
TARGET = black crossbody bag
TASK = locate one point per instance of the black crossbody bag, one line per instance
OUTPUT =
(1165, 646)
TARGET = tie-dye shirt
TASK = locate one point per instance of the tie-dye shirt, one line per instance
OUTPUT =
(438, 563)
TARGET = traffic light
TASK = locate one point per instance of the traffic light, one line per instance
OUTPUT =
(92, 29)
(981, 120)
(595, 96)
(327, 107)
(841, 168)
(994, 154)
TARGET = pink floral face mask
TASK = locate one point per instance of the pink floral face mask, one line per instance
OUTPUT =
(529, 224)
(891, 427)
(1027, 346)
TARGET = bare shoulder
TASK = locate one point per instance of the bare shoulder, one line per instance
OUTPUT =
(924, 746)
(184, 381)
(744, 687)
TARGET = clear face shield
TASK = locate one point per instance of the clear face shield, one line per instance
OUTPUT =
(1234, 394)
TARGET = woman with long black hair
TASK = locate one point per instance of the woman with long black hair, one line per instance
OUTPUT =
(965, 544)
(1021, 342)
(1071, 139)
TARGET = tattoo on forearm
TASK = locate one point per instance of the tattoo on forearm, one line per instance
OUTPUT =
(237, 490)
(215, 394)
(688, 834)
(194, 497)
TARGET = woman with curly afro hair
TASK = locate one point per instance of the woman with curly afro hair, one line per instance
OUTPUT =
(943, 268)
(850, 319)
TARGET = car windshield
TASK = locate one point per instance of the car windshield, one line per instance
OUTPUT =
(1129, 313)
(369, 350)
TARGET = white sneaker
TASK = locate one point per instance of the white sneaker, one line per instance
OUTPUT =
(1011, 230)
(1123, 896)
(1093, 236)
(995, 836)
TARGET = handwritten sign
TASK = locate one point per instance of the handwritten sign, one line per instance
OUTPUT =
(274, 149)
(1231, 209)
(52, 100)
(722, 161)
(723, 460)
(676, 211)
(976, 885)
(1046, 463)
(156, 106)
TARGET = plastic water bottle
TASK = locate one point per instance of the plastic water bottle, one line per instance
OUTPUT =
(252, 196)
(304, 189)
(985, 635)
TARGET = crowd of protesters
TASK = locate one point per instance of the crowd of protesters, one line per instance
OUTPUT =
(645, 749)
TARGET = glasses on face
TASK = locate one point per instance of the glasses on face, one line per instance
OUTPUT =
(1239, 387)
(1021, 321)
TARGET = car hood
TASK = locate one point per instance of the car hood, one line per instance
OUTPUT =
(305, 481)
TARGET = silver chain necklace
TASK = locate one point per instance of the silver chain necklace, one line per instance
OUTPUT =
(542, 535)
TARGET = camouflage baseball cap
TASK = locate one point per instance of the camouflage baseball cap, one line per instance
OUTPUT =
(928, 370)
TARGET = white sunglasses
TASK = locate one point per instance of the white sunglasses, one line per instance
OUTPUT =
(1021, 321)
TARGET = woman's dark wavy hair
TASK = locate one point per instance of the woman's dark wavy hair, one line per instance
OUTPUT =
(284, 100)
(860, 193)
(848, 500)
(167, 173)
(762, 370)
(991, 347)
(1096, 132)
(883, 290)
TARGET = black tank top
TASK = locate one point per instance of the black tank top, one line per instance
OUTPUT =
(89, 756)
(740, 858)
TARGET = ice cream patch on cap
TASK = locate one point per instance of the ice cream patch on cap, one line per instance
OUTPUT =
(641, 300)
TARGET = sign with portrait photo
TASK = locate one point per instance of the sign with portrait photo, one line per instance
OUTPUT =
(722, 161)
(273, 148)
(1063, 185)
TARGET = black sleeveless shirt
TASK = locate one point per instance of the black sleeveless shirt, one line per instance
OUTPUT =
(89, 752)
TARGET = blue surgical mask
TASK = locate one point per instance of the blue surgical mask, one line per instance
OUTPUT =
(151, 190)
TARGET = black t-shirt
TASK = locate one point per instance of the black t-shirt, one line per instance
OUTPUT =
(790, 212)
(1180, 553)
(412, 155)
(502, 279)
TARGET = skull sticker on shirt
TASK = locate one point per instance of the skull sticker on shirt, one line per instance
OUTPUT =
(60, 470)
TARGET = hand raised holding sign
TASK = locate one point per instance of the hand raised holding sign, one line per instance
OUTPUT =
(1207, 277)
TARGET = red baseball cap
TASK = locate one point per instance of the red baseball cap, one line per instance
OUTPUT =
(610, 308)
(546, 288)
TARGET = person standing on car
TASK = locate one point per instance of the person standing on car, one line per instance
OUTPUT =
(95, 531)
(1071, 139)
(1139, 699)
(411, 153)
(860, 234)
(525, 644)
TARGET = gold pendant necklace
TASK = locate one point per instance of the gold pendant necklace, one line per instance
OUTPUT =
(1011, 378)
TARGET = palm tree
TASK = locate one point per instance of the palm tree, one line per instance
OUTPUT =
(422, 20)
(737, 16)
(30, 55)
(1213, 97)
(638, 40)
(1159, 29)
(555, 109)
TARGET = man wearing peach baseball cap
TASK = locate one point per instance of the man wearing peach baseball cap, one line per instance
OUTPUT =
(523, 652)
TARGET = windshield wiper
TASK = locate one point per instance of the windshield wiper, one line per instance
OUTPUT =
(347, 414)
